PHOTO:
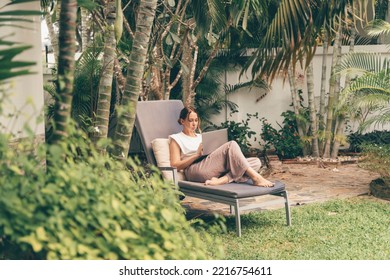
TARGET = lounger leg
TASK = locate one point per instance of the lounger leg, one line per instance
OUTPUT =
(287, 206)
(238, 219)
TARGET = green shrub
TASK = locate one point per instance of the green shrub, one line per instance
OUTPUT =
(240, 131)
(87, 206)
(286, 140)
(356, 139)
(377, 159)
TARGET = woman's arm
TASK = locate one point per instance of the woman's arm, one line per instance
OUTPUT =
(174, 152)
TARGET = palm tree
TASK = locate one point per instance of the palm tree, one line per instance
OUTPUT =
(135, 70)
(105, 84)
(292, 38)
(65, 77)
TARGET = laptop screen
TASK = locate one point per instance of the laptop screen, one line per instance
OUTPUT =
(212, 140)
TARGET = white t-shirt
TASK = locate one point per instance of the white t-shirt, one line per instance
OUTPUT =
(188, 145)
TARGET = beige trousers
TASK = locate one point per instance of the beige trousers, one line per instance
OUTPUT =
(226, 160)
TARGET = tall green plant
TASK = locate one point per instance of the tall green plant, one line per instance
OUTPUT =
(9, 67)
(89, 207)
(369, 91)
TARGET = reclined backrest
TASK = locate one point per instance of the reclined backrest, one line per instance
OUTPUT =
(157, 119)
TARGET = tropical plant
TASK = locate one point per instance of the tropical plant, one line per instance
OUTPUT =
(135, 70)
(369, 91)
(89, 206)
(240, 131)
(377, 159)
(286, 140)
(105, 84)
(9, 67)
(378, 137)
(292, 38)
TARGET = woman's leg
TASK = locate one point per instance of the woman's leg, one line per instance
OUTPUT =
(255, 163)
(226, 160)
(257, 179)
(225, 165)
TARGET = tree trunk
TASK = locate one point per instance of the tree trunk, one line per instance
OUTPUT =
(341, 120)
(135, 70)
(295, 102)
(105, 83)
(156, 83)
(322, 110)
(186, 76)
(84, 28)
(66, 61)
(312, 110)
(331, 99)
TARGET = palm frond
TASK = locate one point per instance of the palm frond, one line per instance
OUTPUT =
(261, 86)
(371, 100)
(357, 63)
(10, 68)
(207, 13)
(370, 83)
(382, 119)
(378, 27)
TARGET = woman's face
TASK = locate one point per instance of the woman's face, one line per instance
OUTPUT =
(191, 122)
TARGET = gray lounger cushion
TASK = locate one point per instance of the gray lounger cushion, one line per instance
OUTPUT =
(232, 190)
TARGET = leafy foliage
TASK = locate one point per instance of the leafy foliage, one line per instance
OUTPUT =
(377, 159)
(356, 140)
(86, 83)
(286, 140)
(240, 131)
(369, 91)
(84, 205)
(9, 67)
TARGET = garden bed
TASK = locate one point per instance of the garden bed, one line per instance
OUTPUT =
(322, 161)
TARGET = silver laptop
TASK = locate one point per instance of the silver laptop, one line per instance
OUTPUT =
(212, 140)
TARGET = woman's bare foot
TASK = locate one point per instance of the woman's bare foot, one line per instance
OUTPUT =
(214, 181)
(262, 182)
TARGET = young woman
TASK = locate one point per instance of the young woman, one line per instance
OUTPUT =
(226, 164)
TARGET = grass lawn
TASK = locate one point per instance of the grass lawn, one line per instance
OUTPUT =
(350, 229)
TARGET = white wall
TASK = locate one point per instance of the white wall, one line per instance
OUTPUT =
(26, 92)
(278, 100)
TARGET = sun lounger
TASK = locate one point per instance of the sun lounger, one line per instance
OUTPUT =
(155, 121)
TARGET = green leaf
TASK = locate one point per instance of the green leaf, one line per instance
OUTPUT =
(168, 40)
(127, 234)
(175, 37)
(16, 169)
(184, 67)
(41, 234)
(167, 215)
(32, 240)
(15, 2)
(172, 3)
(21, 13)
